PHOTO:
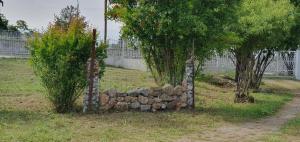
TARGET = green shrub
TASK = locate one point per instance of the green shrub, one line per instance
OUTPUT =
(59, 58)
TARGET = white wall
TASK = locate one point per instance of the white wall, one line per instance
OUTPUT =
(119, 61)
(132, 59)
(297, 65)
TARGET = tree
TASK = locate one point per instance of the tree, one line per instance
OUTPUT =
(291, 41)
(170, 32)
(3, 22)
(259, 24)
(67, 15)
(22, 25)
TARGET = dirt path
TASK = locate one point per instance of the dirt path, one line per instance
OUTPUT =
(250, 131)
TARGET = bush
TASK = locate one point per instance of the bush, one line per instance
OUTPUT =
(59, 58)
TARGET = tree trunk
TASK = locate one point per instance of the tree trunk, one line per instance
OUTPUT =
(244, 66)
(262, 61)
(236, 73)
(288, 58)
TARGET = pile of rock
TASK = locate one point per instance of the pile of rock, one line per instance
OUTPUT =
(144, 99)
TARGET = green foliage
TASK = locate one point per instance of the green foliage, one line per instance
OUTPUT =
(3, 22)
(261, 23)
(169, 31)
(20, 25)
(59, 58)
(258, 25)
(292, 38)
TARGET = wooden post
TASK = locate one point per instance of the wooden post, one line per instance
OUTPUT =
(92, 70)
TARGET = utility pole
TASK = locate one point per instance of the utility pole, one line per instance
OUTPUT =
(77, 8)
(105, 21)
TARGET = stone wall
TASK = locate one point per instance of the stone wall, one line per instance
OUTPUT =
(145, 99)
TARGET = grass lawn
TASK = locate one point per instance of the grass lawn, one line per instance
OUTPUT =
(26, 115)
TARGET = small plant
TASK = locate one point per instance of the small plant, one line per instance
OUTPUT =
(59, 58)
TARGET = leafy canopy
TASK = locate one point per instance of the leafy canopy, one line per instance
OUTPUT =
(263, 22)
(169, 31)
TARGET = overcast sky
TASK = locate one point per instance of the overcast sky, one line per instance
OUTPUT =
(38, 13)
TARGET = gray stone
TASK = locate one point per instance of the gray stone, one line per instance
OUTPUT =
(127, 99)
(163, 106)
(121, 106)
(168, 89)
(156, 106)
(106, 107)
(95, 90)
(150, 101)
(111, 103)
(122, 94)
(166, 98)
(183, 98)
(145, 107)
(104, 99)
(135, 105)
(189, 82)
(183, 105)
(157, 100)
(120, 99)
(138, 92)
(143, 91)
(143, 100)
(173, 105)
(178, 90)
(153, 110)
(155, 92)
(134, 99)
(184, 85)
(111, 92)
(133, 93)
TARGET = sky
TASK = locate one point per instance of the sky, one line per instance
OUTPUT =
(39, 13)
